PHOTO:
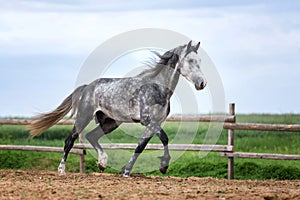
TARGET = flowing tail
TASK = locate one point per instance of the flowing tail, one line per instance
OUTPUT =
(45, 121)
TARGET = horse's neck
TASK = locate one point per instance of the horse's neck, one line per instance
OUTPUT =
(167, 77)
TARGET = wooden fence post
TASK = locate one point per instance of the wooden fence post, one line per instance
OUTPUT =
(82, 157)
(231, 142)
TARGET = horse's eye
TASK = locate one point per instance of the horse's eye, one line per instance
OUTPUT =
(191, 61)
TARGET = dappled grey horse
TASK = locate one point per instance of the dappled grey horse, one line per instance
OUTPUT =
(144, 98)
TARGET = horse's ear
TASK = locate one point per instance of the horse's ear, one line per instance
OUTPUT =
(197, 46)
(189, 46)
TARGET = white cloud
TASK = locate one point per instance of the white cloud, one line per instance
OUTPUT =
(234, 30)
(254, 42)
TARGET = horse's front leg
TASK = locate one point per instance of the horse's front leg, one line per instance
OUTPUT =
(147, 135)
(165, 159)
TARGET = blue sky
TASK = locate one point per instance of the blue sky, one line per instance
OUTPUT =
(255, 46)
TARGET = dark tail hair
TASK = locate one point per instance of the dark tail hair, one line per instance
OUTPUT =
(45, 121)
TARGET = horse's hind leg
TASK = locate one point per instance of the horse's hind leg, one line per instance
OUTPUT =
(104, 127)
(82, 120)
(69, 142)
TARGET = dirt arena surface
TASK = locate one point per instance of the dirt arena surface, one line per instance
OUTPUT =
(17, 184)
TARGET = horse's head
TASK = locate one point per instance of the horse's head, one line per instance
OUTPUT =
(189, 66)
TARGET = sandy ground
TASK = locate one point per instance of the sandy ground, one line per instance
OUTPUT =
(16, 184)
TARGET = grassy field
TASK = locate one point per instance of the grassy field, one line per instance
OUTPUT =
(183, 164)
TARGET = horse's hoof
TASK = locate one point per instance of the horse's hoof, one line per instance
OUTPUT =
(164, 164)
(126, 173)
(61, 172)
(102, 161)
(163, 170)
(100, 167)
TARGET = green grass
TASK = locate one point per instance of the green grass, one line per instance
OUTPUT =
(184, 164)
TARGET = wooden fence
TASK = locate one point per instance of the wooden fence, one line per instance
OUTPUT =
(231, 126)
(229, 123)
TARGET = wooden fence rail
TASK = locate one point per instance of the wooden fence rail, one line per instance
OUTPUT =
(225, 150)
(263, 127)
(39, 148)
(261, 155)
(175, 147)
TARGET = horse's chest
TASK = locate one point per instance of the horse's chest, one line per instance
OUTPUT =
(149, 102)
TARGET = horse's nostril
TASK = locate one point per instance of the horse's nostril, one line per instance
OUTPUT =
(202, 85)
